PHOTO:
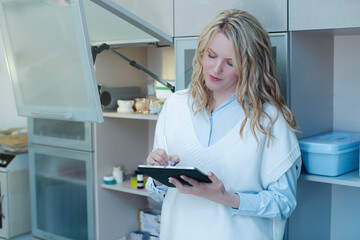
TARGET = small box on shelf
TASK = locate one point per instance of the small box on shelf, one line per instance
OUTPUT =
(149, 221)
(330, 154)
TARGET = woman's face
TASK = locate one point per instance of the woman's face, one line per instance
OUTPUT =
(219, 73)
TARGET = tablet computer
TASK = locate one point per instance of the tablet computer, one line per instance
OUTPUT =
(162, 173)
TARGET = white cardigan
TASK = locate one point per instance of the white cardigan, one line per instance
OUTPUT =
(241, 163)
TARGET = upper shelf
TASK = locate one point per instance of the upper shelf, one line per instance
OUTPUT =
(126, 187)
(113, 114)
(351, 179)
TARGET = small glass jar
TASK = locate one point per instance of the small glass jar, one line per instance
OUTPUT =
(156, 105)
(109, 180)
(142, 105)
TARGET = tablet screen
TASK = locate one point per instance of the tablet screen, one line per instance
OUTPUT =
(162, 173)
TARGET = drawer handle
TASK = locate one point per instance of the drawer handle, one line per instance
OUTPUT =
(50, 115)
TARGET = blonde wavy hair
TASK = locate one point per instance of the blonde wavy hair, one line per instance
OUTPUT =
(253, 64)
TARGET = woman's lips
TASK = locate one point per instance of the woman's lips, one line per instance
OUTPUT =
(214, 79)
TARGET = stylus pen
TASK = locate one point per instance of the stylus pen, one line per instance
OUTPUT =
(167, 152)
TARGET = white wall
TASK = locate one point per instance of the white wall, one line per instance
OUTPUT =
(161, 61)
(113, 71)
(8, 113)
(347, 83)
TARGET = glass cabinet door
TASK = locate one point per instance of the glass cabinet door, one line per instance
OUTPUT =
(108, 21)
(279, 52)
(49, 59)
(184, 54)
(59, 133)
(61, 190)
(48, 52)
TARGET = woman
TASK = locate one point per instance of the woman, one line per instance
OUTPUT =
(231, 122)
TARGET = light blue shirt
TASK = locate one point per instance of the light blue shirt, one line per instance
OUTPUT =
(276, 202)
(279, 200)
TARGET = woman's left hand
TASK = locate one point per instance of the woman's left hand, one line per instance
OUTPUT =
(214, 191)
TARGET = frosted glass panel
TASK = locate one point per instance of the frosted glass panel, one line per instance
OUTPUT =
(62, 202)
(280, 57)
(60, 133)
(49, 59)
(184, 54)
(188, 68)
(61, 194)
(121, 22)
(106, 27)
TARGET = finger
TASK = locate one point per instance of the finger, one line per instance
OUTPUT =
(150, 160)
(156, 159)
(212, 177)
(175, 159)
(160, 160)
(181, 187)
(161, 157)
(177, 183)
(161, 152)
(192, 181)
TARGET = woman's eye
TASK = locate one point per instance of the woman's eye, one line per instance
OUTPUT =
(230, 64)
(211, 55)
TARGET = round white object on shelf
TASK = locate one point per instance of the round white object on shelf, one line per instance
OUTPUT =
(109, 180)
(125, 110)
(125, 103)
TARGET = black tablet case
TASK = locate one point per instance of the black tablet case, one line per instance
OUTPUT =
(162, 173)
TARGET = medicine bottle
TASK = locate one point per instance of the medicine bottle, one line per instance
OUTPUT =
(118, 174)
(140, 180)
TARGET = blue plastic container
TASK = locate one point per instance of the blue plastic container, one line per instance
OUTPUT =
(330, 154)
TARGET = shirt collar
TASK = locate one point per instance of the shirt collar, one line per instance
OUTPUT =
(227, 102)
(231, 99)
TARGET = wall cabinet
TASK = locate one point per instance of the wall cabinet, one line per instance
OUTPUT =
(324, 68)
(319, 14)
(120, 23)
(122, 140)
(61, 170)
(53, 76)
(157, 13)
(271, 14)
(327, 208)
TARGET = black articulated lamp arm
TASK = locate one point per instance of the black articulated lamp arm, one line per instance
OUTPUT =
(96, 50)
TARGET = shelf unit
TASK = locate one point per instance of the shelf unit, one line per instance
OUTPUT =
(127, 188)
(324, 97)
(323, 200)
(113, 114)
(123, 139)
(351, 179)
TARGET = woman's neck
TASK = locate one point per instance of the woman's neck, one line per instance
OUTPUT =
(219, 99)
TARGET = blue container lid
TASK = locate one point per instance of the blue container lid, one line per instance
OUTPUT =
(331, 142)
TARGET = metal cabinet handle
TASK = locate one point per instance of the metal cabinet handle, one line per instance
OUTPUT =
(50, 115)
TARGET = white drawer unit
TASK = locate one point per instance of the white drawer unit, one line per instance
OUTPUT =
(14, 195)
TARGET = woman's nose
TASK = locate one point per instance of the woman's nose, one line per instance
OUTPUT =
(218, 67)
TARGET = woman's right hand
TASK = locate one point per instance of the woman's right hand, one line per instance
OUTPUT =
(158, 157)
